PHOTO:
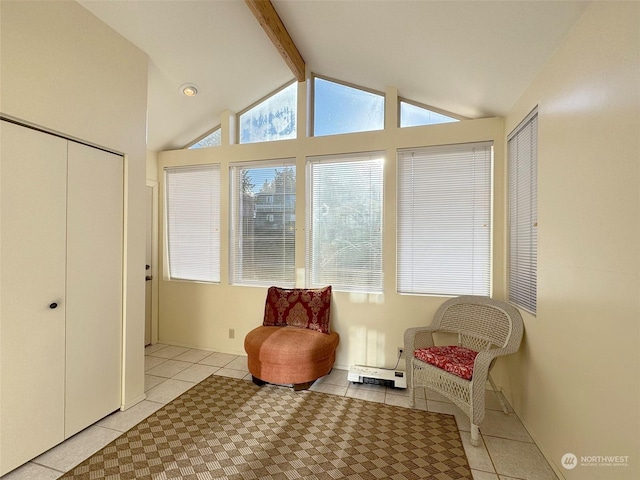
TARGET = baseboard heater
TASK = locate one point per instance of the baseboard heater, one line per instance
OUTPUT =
(377, 376)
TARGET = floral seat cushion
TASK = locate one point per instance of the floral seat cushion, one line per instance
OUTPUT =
(453, 359)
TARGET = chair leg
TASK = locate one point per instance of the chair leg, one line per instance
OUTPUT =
(475, 435)
(302, 386)
(497, 394)
(412, 397)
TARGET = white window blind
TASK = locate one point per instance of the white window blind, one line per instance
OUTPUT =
(263, 223)
(523, 213)
(444, 220)
(344, 222)
(193, 222)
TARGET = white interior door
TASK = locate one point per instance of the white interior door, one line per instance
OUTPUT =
(32, 282)
(94, 286)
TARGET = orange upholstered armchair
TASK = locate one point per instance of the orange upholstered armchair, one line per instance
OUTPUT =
(294, 346)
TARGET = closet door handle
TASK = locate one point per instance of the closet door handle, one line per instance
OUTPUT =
(53, 305)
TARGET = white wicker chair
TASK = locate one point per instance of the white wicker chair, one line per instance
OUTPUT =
(490, 327)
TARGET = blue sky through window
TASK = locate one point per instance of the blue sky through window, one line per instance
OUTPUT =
(271, 119)
(214, 139)
(339, 108)
(261, 176)
(413, 116)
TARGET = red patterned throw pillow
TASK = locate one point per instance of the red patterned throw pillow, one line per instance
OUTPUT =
(298, 307)
(453, 359)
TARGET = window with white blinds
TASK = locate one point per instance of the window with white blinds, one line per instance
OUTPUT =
(344, 222)
(444, 220)
(263, 223)
(523, 213)
(193, 222)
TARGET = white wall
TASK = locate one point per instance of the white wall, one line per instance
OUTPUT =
(371, 327)
(576, 379)
(65, 71)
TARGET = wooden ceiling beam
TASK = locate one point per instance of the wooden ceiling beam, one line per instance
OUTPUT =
(268, 18)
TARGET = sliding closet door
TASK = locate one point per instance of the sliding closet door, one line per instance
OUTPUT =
(33, 169)
(94, 285)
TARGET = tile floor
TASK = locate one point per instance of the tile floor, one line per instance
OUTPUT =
(507, 452)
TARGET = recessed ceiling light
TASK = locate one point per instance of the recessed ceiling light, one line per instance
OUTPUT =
(189, 90)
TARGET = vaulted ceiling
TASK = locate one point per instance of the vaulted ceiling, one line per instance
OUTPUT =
(473, 58)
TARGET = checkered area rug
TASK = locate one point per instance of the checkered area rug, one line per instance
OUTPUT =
(224, 428)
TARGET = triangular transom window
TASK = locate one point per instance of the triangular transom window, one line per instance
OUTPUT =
(413, 115)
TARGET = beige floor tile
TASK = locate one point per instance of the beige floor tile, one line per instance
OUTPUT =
(77, 448)
(229, 372)
(498, 424)
(238, 363)
(478, 457)
(443, 407)
(403, 392)
(152, 362)
(32, 471)
(419, 393)
(193, 355)
(169, 352)
(420, 404)
(127, 419)
(435, 396)
(492, 402)
(479, 475)
(168, 390)
(195, 373)
(371, 393)
(151, 381)
(168, 369)
(154, 348)
(218, 359)
(518, 459)
(329, 388)
(335, 377)
(396, 400)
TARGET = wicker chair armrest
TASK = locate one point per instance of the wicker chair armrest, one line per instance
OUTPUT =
(484, 360)
(481, 368)
(414, 338)
(418, 337)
